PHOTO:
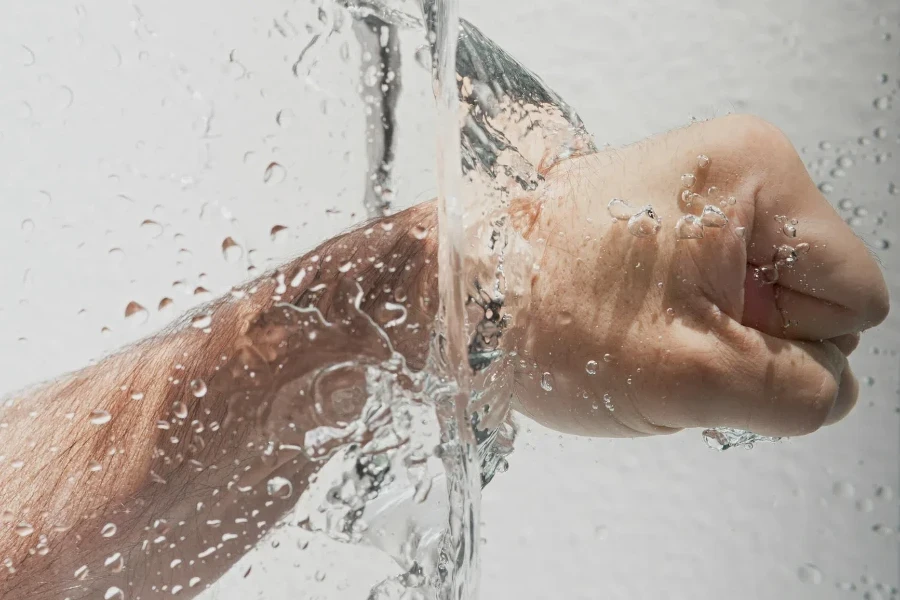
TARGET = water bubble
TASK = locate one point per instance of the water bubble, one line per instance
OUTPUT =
(880, 132)
(619, 209)
(784, 256)
(419, 232)
(882, 244)
(81, 573)
(607, 358)
(688, 180)
(279, 487)
(109, 530)
(880, 529)
(284, 117)
(688, 227)
(278, 233)
(865, 505)
(274, 174)
(845, 162)
(27, 225)
(809, 573)
(164, 304)
(198, 388)
(94, 466)
(702, 161)
(194, 581)
(893, 189)
(100, 417)
(884, 492)
(231, 250)
(845, 204)
(607, 401)
(873, 595)
(740, 231)
(136, 314)
(789, 230)
(114, 593)
(180, 409)
(547, 382)
(843, 489)
(645, 223)
(767, 274)
(320, 575)
(713, 217)
(861, 211)
(114, 562)
(838, 173)
(24, 529)
(591, 367)
(826, 187)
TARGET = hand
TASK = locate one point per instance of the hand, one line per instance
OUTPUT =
(631, 335)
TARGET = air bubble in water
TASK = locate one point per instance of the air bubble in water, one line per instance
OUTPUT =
(688, 227)
(688, 180)
(882, 103)
(884, 492)
(767, 274)
(109, 530)
(645, 223)
(880, 132)
(607, 358)
(114, 562)
(713, 217)
(809, 573)
(274, 174)
(607, 401)
(100, 417)
(198, 388)
(201, 321)
(180, 409)
(591, 367)
(547, 382)
(702, 161)
(231, 250)
(81, 573)
(135, 313)
(845, 204)
(882, 244)
(114, 593)
(619, 209)
(789, 230)
(279, 487)
(24, 529)
(785, 256)
(826, 187)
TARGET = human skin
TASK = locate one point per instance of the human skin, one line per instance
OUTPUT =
(721, 357)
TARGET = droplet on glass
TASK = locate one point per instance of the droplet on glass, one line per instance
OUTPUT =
(619, 209)
(865, 505)
(880, 132)
(198, 388)
(152, 228)
(547, 382)
(645, 223)
(274, 174)
(884, 493)
(688, 180)
(231, 250)
(702, 161)
(843, 489)
(740, 232)
(882, 102)
(688, 227)
(180, 409)
(284, 117)
(882, 244)
(27, 225)
(809, 573)
(135, 313)
(591, 367)
(279, 487)
(845, 204)
(713, 217)
(100, 417)
(278, 233)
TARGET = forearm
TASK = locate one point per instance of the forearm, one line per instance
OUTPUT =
(167, 440)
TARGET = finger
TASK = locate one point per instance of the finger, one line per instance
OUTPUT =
(837, 287)
(747, 379)
(846, 343)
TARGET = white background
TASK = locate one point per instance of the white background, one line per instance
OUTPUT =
(113, 113)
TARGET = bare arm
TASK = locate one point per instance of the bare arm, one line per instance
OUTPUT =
(148, 471)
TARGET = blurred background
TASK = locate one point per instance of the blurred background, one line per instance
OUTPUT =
(155, 154)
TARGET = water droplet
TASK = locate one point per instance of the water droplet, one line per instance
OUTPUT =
(865, 505)
(784, 256)
(688, 227)
(789, 230)
(547, 382)
(880, 529)
(880, 132)
(194, 581)
(826, 187)
(619, 209)
(320, 575)
(884, 492)
(843, 489)
(274, 174)
(419, 232)
(882, 102)
(109, 530)
(279, 487)
(198, 388)
(670, 312)
(607, 358)
(201, 321)
(809, 573)
(100, 417)
(136, 314)
(591, 367)
(645, 223)
(180, 409)
(893, 189)
(767, 274)
(882, 244)
(114, 593)
(861, 211)
(27, 225)
(278, 233)
(81, 573)
(688, 180)
(151, 228)
(702, 161)
(164, 304)
(713, 217)
(24, 529)
(231, 250)
(284, 117)
(94, 466)
(740, 231)
(845, 204)
(845, 162)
